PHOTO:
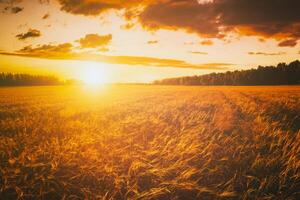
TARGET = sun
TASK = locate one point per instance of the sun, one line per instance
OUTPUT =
(94, 74)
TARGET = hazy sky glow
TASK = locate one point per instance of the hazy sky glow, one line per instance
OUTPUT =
(144, 40)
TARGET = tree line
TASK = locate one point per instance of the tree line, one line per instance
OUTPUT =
(282, 74)
(10, 79)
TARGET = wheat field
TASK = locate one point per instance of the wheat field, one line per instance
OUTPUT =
(150, 142)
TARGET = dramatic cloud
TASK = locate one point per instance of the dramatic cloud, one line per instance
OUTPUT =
(266, 54)
(30, 34)
(278, 19)
(288, 43)
(266, 18)
(95, 40)
(199, 52)
(181, 14)
(64, 52)
(96, 7)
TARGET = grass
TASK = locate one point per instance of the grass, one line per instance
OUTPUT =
(150, 142)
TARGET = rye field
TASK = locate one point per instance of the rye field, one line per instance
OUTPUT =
(150, 142)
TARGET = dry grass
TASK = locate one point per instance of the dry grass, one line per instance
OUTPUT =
(150, 142)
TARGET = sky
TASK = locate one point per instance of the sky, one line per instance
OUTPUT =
(145, 40)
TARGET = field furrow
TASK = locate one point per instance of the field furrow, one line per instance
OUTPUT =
(149, 142)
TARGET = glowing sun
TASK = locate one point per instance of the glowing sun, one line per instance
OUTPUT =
(94, 74)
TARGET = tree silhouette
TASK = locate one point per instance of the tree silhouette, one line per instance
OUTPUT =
(282, 74)
(9, 79)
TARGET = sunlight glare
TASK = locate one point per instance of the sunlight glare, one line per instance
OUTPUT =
(94, 74)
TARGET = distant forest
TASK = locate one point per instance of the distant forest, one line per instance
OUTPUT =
(282, 74)
(9, 79)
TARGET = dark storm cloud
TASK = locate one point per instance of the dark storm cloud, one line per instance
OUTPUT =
(31, 33)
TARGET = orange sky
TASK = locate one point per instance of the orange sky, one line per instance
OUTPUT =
(140, 41)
